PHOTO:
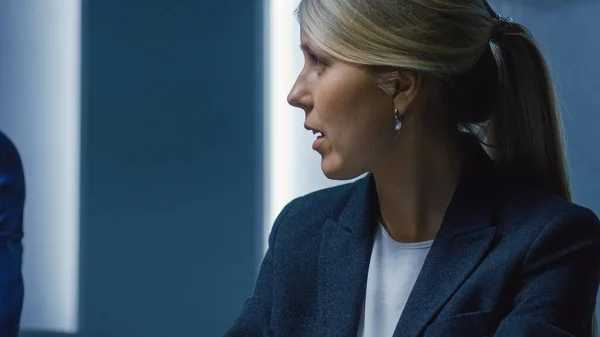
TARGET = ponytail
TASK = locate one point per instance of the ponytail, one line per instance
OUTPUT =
(524, 129)
(523, 133)
(525, 126)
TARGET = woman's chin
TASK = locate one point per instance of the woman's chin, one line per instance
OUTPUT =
(334, 170)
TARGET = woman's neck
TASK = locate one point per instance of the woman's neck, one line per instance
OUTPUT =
(415, 186)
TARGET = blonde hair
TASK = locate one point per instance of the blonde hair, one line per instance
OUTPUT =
(495, 81)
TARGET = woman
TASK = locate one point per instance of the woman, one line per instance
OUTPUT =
(463, 224)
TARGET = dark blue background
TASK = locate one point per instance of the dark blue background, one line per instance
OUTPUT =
(171, 165)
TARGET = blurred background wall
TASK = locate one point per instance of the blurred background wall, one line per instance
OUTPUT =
(159, 147)
(171, 150)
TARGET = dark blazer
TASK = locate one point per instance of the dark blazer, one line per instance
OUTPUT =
(12, 197)
(507, 261)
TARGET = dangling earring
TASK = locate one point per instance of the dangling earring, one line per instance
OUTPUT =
(398, 125)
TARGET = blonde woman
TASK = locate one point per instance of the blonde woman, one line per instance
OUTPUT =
(463, 225)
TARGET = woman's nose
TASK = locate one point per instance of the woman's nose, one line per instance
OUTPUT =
(299, 96)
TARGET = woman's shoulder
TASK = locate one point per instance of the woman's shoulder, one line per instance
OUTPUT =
(302, 219)
(531, 213)
(326, 202)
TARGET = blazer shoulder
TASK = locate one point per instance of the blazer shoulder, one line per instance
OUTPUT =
(327, 202)
(308, 212)
(526, 210)
(9, 155)
(12, 189)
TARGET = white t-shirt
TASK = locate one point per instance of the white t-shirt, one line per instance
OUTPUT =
(393, 270)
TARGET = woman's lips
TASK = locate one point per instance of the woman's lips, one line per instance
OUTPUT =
(318, 142)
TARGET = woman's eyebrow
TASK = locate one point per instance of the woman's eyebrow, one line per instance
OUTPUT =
(305, 47)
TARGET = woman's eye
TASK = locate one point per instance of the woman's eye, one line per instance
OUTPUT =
(316, 60)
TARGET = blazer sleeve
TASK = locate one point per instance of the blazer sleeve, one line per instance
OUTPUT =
(12, 198)
(560, 277)
(256, 312)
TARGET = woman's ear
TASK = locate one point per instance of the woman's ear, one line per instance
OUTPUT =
(408, 87)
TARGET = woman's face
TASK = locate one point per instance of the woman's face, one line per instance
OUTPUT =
(343, 102)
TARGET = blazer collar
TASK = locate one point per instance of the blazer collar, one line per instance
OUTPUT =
(344, 261)
(464, 238)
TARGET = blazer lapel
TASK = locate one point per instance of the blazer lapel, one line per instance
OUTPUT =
(449, 263)
(462, 242)
(344, 262)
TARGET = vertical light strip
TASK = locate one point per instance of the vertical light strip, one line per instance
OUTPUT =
(60, 59)
(281, 41)
(71, 124)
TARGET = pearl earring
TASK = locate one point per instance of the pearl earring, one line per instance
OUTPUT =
(398, 125)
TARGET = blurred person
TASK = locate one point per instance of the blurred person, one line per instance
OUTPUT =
(463, 225)
(12, 198)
